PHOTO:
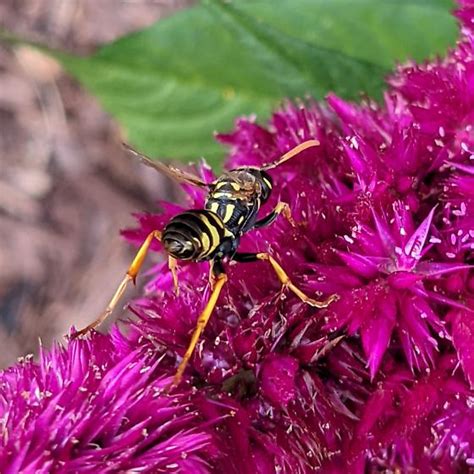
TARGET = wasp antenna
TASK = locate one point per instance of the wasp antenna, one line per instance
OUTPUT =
(290, 154)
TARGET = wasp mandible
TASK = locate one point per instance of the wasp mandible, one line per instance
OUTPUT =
(213, 234)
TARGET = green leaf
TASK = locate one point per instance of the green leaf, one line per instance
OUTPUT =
(173, 84)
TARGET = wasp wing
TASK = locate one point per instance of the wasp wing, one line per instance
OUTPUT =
(172, 172)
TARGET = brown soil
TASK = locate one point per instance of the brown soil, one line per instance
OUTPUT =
(66, 186)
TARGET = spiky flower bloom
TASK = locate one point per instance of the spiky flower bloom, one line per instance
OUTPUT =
(380, 380)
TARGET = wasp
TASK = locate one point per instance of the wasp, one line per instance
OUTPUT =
(212, 234)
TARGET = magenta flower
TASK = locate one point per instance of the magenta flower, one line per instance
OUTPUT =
(381, 380)
(90, 405)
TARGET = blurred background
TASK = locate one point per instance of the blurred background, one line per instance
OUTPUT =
(66, 186)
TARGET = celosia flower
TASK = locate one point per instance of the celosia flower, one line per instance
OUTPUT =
(380, 380)
(91, 408)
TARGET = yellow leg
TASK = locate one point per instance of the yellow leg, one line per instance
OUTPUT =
(130, 276)
(286, 282)
(284, 208)
(200, 325)
(280, 208)
(212, 276)
(173, 269)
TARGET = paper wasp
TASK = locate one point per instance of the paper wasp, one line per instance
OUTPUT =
(213, 234)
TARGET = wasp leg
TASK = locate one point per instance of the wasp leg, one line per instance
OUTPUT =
(174, 272)
(284, 278)
(212, 275)
(221, 279)
(130, 276)
(280, 208)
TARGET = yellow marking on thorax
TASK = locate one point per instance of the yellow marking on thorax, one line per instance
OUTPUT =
(267, 182)
(234, 186)
(214, 207)
(229, 212)
(222, 194)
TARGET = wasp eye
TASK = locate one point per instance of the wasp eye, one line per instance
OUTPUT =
(267, 186)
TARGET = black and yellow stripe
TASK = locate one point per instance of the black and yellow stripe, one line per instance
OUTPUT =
(193, 235)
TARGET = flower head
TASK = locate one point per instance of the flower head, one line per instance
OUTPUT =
(381, 379)
(89, 405)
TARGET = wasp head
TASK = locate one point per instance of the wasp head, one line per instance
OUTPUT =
(249, 182)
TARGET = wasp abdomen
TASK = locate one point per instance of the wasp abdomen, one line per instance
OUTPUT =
(193, 235)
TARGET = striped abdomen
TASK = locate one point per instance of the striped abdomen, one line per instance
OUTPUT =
(193, 235)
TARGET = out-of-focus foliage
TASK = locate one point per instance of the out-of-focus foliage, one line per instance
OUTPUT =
(173, 84)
